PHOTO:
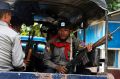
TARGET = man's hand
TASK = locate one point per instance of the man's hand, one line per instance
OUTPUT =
(89, 47)
(61, 69)
(26, 62)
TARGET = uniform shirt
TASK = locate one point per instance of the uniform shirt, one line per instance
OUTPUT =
(11, 54)
(56, 56)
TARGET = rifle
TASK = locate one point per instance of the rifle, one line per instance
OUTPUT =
(82, 55)
(29, 48)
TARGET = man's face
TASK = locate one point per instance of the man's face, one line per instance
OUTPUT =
(63, 33)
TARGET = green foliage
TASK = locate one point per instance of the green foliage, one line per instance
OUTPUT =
(113, 5)
(26, 29)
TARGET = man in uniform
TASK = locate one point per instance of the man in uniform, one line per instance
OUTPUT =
(58, 49)
(11, 54)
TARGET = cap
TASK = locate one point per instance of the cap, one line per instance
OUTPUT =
(64, 23)
(4, 6)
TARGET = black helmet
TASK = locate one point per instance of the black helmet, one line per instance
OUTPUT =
(4, 6)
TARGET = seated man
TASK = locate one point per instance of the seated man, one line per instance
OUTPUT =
(57, 52)
(11, 54)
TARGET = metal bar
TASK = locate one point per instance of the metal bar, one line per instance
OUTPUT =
(106, 42)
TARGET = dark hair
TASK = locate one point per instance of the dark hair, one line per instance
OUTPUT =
(2, 12)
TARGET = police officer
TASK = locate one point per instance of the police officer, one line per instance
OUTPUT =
(57, 51)
(11, 54)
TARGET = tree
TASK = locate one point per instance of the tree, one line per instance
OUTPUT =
(113, 5)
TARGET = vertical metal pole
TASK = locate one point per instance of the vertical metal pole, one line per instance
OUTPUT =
(106, 41)
(84, 35)
(71, 47)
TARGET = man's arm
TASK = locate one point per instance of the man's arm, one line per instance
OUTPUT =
(48, 57)
(17, 53)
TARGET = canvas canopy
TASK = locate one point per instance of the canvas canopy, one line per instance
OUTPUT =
(72, 9)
